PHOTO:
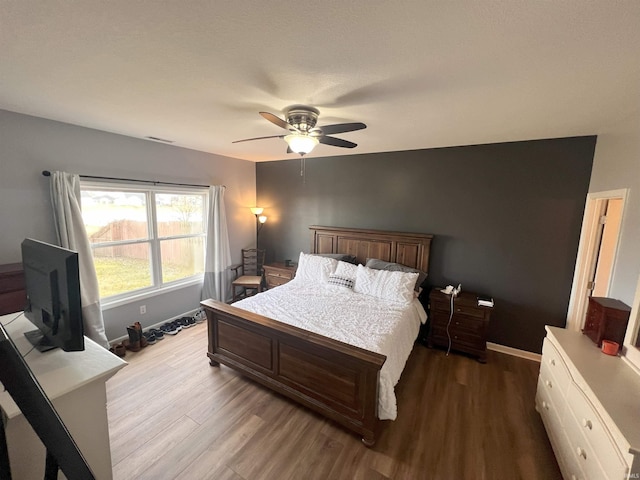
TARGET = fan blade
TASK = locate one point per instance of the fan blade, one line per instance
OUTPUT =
(257, 138)
(342, 128)
(336, 142)
(278, 121)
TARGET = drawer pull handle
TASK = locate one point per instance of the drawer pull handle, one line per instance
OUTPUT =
(587, 424)
(581, 453)
(548, 383)
(545, 405)
(552, 362)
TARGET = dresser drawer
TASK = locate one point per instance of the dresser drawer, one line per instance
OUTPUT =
(583, 452)
(547, 408)
(553, 363)
(554, 390)
(592, 427)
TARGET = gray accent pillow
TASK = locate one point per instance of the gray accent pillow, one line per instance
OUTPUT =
(341, 257)
(378, 264)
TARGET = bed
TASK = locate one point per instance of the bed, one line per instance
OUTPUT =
(335, 378)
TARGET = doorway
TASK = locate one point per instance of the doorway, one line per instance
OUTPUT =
(597, 250)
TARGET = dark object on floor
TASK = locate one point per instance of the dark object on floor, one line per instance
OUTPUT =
(119, 350)
(133, 343)
(149, 337)
(158, 333)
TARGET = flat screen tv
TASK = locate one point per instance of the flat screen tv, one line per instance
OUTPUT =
(52, 281)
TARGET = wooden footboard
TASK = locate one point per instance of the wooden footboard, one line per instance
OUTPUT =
(338, 380)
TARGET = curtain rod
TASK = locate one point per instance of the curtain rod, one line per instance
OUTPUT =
(47, 173)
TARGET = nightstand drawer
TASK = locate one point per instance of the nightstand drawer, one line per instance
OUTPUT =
(476, 312)
(458, 337)
(277, 274)
(275, 280)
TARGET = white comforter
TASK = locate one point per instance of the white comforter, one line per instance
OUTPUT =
(360, 320)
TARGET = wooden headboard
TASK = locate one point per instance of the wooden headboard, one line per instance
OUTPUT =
(410, 249)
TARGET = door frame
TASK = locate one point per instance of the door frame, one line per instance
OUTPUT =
(587, 249)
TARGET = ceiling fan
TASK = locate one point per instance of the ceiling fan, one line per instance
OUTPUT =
(303, 134)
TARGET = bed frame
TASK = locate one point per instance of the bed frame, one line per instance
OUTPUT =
(338, 380)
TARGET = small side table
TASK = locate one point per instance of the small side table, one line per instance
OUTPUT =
(467, 329)
(278, 273)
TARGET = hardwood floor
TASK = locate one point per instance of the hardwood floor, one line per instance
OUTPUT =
(171, 415)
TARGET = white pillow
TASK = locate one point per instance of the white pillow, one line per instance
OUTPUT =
(314, 269)
(347, 270)
(395, 287)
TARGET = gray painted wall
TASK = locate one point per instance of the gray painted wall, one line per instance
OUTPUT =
(506, 217)
(617, 165)
(29, 145)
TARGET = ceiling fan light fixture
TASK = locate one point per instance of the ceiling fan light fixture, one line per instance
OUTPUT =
(301, 144)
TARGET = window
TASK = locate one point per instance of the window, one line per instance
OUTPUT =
(144, 238)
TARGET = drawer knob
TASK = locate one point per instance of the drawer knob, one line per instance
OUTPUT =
(587, 424)
(548, 383)
(552, 362)
(581, 453)
(545, 405)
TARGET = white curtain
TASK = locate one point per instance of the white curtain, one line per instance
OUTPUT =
(67, 214)
(218, 256)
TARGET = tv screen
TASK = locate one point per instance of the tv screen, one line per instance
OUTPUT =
(52, 280)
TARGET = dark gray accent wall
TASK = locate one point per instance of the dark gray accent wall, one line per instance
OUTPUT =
(506, 217)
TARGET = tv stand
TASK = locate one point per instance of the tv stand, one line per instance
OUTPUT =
(39, 341)
(75, 384)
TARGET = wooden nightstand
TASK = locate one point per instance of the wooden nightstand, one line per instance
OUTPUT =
(278, 273)
(468, 327)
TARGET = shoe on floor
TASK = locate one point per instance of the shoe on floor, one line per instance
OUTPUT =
(151, 337)
(119, 350)
(170, 328)
(158, 333)
(186, 322)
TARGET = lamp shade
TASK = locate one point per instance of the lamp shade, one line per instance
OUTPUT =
(301, 143)
(257, 210)
(262, 218)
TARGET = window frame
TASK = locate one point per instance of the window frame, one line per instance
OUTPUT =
(153, 239)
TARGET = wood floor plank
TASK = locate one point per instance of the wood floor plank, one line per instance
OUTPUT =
(172, 415)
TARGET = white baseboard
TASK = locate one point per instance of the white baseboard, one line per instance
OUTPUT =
(514, 351)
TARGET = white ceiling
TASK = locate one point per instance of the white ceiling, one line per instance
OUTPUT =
(420, 74)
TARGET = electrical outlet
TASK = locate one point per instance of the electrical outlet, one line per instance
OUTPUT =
(143, 309)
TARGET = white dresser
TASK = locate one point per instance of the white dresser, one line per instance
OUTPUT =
(75, 384)
(590, 405)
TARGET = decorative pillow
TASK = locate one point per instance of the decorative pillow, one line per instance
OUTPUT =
(340, 281)
(314, 269)
(396, 267)
(341, 257)
(347, 270)
(387, 285)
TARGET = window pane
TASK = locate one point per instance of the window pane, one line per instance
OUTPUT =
(111, 216)
(181, 258)
(122, 268)
(179, 214)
